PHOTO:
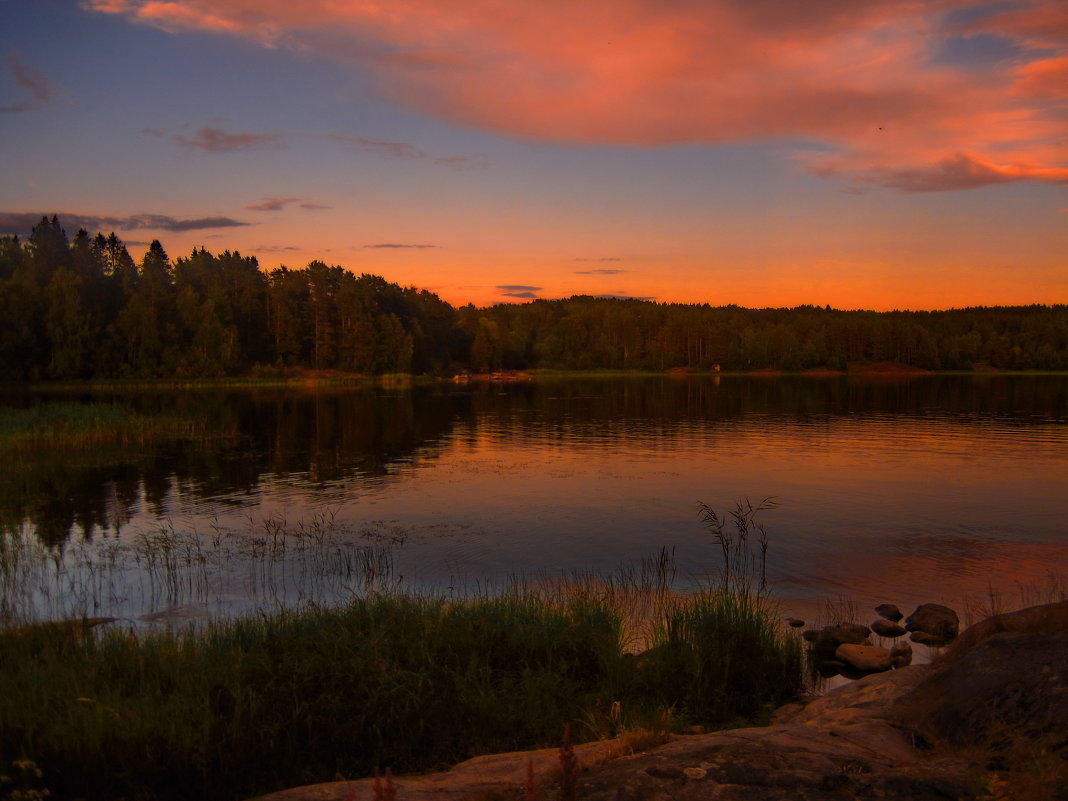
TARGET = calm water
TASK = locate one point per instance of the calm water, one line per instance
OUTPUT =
(925, 489)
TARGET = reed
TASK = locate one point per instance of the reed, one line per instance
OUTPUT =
(269, 563)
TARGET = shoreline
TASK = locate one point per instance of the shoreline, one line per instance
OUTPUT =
(338, 380)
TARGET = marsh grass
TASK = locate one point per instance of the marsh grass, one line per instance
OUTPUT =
(1052, 588)
(84, 426)
(279, 700)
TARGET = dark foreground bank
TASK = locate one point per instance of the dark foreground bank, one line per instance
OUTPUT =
(985, 722)
(412, 684)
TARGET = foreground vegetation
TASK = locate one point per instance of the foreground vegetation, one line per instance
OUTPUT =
(410, 683)
(385, 680)
(81, 308)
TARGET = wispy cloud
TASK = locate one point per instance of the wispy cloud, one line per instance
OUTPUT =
(518, 288)
(398, 150)
(395, 245)
(41, 91)
(273, 204)
(602, 258)
(277, 249)
(215, 140)
(461, 162)
(406, 151)
(22, 222)
(280, 203)
(864, 82)
(600, 272)
(529, 295)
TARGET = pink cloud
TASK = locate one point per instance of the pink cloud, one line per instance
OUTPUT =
(400, 150)
(863, 79)
(962, 171)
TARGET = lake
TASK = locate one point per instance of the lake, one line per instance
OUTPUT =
(933, 488)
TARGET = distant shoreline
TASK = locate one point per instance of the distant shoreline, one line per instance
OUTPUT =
(316, 379)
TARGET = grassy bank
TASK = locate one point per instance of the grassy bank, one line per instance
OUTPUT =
(410, 683)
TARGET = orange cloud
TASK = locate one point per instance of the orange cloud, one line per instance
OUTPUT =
(864, 79)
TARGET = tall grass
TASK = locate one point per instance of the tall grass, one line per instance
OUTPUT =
(81, 426)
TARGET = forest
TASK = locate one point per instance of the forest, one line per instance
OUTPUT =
(82, 308)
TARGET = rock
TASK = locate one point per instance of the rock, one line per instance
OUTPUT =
(826, 640)
(900, 655)
(885, 628)
(795, 622)
(889, 611)
(939, 621)
(932, 640)
(865, 658)
(849, 632)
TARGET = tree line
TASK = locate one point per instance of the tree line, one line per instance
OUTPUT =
(82, 308)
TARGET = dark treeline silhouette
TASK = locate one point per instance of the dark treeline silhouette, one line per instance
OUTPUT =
(84, 309)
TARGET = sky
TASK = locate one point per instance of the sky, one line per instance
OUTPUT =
(871, 154)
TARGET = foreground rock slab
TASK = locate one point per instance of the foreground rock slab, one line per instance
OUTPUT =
(994, 704)
(840, 746)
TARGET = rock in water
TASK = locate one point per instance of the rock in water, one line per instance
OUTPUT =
(865, 658)
(795, 622)
(886, 628)
(939, 623)
(825, 641)
(889, 611)
(900, 655)
(849, 632)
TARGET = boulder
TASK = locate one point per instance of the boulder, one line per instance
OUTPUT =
(824, 643)
(886, 628)
(864, 658)
(849, 632)
(900, 655)
(889, 611)
(940, 622)
(795, 622)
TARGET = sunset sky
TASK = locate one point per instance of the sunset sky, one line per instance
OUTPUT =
(869, 154)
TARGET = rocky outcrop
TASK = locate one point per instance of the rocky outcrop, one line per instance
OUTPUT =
(978, 717)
